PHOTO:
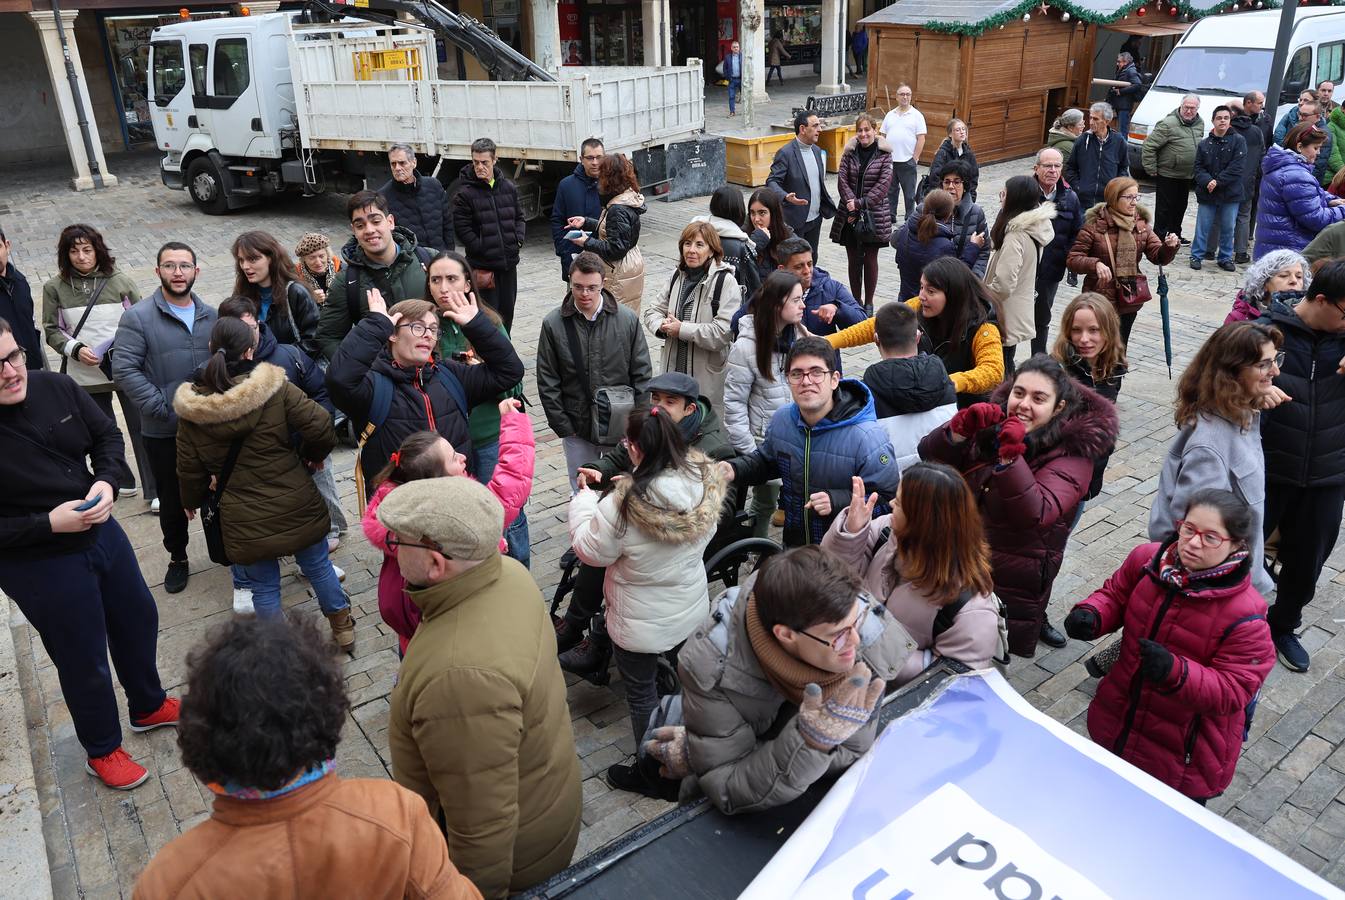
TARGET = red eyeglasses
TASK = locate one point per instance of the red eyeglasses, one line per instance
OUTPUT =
(1211, 539)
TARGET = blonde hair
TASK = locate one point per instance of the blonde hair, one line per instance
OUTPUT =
(1113, 354)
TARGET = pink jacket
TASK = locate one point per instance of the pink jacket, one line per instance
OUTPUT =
(1185, 731)
(511, 483)
(972, 639)
(1242, 311)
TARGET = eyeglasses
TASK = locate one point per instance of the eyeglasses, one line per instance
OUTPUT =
(597, 158)
(177, 267)
(420, 329)
(1211, 539)
(798, 376)
(952, 182)
(16, 360)
(841, 641)
(1265, 365)
(431, 545)
(586, 288)
(1129, 198)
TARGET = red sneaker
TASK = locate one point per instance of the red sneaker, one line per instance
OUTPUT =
(164, 715)
(117, 770)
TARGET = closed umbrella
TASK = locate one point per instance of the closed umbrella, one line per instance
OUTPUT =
(1166, 313)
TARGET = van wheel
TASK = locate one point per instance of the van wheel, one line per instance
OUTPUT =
(206, 187)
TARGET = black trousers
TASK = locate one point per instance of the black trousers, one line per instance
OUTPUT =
(504, 295)
(162, 454)
(131, 413)
(812, 233)
(1171, 197)
(1045, 300)
(84, 606)
(1309, 522)
(586, 598)
(1127, 323)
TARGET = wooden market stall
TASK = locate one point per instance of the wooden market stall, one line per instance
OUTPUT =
(1006, 67)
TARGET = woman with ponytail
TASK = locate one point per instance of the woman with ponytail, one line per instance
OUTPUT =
(269, 506)
(650, 533)
(927, 237)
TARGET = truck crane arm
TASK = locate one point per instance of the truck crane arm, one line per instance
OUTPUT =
(502, 61)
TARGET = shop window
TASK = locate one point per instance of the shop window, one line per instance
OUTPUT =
(197, 55)
(231, 67)
(169, 74)
(1331, 62)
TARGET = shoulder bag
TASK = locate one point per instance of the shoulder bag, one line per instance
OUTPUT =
(612, 405)
(93, 299)
(210, 509)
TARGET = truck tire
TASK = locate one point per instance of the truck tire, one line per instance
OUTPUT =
(206, 187)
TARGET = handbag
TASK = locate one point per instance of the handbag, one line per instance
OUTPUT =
(210, 508)
(93, 299)
(865, 230)
(484, 278)
(612, 405)
(1129, 291)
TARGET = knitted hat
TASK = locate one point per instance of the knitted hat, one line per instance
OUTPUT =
(311, 243)
(456, 513)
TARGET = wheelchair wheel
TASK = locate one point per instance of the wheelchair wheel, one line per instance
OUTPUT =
(666, 681)
(736, 561)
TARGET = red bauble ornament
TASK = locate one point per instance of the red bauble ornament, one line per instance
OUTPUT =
(1141, 11)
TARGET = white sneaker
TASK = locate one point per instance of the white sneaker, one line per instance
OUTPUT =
(243, 602)
(154, 507)
(340, 572)
(333, 542)
(128, 492)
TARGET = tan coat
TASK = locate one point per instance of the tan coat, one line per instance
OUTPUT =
(1012, 273)
(705, 329)
(624, 278)
(480, 727)
(364, 837)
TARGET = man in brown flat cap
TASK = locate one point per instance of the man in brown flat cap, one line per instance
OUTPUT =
(479, 724)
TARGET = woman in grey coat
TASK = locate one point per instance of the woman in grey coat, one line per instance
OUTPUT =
(1219, 402)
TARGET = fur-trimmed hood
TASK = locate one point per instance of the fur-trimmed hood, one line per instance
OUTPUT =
(1036, 223)
(679, 506)
(247, 396)
(1098, 209)
(853, 144)
(1089, 431)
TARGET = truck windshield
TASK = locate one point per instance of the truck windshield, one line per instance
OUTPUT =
(170, 75)
(1215, 70)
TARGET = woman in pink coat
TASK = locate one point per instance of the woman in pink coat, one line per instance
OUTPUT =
(425, 454)
(930, 565)
(1195, 648)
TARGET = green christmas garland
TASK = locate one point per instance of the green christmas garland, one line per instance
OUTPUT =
(1156, 10)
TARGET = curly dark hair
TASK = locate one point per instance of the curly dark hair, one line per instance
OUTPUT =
(265, 701)
(104, 260)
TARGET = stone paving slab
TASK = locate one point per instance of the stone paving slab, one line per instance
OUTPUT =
(1290, 787)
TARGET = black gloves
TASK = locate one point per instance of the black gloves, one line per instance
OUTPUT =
(1155, 660)
(1082, 623)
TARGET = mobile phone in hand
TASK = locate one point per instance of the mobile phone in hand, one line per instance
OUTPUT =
(89, 504)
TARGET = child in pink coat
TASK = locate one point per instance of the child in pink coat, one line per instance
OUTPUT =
(427, 455)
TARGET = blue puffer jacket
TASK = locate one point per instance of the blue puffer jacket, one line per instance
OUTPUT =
(1293, 207)
(913, 254)
(847, 442)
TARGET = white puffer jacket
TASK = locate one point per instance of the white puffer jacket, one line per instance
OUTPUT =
(749, 399)
(655, 583)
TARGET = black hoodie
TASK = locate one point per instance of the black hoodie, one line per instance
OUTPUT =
(915, 384)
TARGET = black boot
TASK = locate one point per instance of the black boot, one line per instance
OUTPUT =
(643, 778)
(592, 657)
(568, 633)
(1052, 637)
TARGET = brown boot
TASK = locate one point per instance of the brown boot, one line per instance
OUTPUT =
(343, 630)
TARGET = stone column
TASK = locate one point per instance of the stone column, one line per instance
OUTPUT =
(45, 20)
(833, 48)
(546, 34)
(753, 39)
(657, 32)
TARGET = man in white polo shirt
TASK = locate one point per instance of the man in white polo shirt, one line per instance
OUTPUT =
(904, 128)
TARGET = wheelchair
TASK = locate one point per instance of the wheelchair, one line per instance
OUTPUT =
(732, 554)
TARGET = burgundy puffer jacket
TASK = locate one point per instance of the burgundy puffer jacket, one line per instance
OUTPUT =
(1186, 731)
(1027, 507)
(869, 186)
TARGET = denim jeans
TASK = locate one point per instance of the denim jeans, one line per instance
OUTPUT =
(1226, 214)
(263, 577)
(516, 537)
(735, 85)
(903, 183)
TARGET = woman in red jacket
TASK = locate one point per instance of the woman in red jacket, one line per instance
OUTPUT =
(1028, 456)
(1195, 648)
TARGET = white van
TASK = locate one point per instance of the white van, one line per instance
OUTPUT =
(1221, 58)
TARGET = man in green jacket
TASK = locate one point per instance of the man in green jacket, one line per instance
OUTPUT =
(1169, 157)
(379, 255)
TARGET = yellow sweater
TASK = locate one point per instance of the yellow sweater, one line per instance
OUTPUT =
(986, 350)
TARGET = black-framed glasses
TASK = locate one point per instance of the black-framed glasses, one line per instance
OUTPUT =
(420, 329)
(798, 376)
(437, 547)
(841, 641)
(1265, 365)
(17, 359)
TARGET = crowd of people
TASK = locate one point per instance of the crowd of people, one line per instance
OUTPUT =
(925, 505)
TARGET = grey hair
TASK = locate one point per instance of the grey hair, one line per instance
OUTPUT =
(1261, 271)
(1069, 118)
(1194, 97)
(404, 148)
(1125, 55)
(483, 145)
(1048, 150)
(1103, 109)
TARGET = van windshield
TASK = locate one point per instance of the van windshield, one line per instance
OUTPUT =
(1215, 70)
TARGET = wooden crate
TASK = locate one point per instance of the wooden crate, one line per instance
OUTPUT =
(748, 159)
(833, 141)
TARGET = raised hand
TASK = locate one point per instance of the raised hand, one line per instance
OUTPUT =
(1012, 440)
(967, 422)
(510, 404)
(461, 308)
(379, 306)
(859, 513)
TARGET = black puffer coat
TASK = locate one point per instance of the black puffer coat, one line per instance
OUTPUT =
(422, 208)
(296, 322)
(1067, 222)
(1082, 371)
(1304, 438)
(419, 401)
(488, 221)
(904, 386)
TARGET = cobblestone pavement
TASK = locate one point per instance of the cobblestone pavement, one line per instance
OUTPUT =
(1288, 789)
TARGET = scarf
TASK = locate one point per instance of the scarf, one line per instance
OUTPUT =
(690, 425)
(788, 674)
(239, 792)
(691, 279)
(1172, 571)
(1126, 249)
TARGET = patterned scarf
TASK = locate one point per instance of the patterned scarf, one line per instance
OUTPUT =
(239, 792)
(789, 674)
(1126, 249)
(1172, 571)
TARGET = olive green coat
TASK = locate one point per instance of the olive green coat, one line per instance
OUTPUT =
(1170, 149)
(63, 305)
(270, 506)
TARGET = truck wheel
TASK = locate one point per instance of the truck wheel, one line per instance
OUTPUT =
(206, 187)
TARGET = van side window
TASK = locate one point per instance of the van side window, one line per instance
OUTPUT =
(1296, 75)
(231, 67)
(197, 54)
(169, 75)
(1330, 62)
